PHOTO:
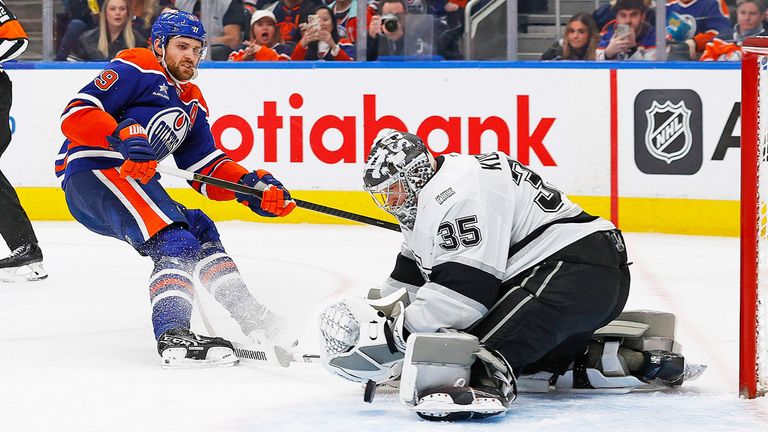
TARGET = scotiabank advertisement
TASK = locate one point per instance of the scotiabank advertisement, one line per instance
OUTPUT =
(618, 133)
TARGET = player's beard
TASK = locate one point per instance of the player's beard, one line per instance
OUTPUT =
(183, 70)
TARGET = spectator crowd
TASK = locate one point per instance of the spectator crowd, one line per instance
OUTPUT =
(695, 30)
(284, 30)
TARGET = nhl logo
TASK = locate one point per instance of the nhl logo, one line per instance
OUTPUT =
(668, 131)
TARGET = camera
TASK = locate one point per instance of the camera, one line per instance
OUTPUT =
(390, 22)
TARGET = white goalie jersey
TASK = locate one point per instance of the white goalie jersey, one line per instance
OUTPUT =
(481, 220)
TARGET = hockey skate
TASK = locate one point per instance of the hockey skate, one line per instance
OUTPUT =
(24, 264)
(263, 326)
(180, 348)
(459, 403)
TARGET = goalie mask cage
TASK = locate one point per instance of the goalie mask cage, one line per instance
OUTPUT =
(753, 344)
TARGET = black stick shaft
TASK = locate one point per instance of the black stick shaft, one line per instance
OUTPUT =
(241, 188)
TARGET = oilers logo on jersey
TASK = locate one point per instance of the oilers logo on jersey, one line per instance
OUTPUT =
(167, 130)
(134, 85)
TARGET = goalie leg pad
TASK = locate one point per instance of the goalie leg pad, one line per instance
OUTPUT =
(449, 376)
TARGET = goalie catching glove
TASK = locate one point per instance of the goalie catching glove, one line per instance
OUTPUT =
(130, 139)
(363, 339)
(275, 199)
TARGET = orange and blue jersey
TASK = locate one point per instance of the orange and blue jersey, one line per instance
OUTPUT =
(13, 38)
(135, 85)
(711, 18)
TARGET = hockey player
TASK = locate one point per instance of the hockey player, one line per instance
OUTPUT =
(140, 109)
(500, 274)
(25, 261)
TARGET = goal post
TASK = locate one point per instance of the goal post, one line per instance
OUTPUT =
(753, 323)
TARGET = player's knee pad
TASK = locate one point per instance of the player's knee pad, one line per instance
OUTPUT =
(201, 226)
(175, 242)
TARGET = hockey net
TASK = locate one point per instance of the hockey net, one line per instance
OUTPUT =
(753, 352)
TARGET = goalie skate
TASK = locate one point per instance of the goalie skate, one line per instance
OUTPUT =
(24, 264)
(180, 348)
(458, 403)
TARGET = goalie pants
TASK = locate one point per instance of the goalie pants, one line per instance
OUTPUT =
(548, 313)
(15, 227)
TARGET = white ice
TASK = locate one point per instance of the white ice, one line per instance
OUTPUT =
(77, 352)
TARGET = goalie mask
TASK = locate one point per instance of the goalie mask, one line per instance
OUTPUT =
(398, 167)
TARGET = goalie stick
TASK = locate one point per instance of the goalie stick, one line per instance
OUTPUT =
(240, 188)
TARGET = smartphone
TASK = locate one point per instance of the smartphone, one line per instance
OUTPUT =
(312, 21)
(622, 30)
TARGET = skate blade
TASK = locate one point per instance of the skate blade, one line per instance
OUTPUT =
(171, 359)
(693, 371)
(26, 273)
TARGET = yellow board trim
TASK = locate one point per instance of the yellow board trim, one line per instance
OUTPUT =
(662, 215)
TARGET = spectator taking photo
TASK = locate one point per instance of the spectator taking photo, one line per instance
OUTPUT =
(631, 38)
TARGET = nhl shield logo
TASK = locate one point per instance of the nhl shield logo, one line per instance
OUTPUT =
(668, 131)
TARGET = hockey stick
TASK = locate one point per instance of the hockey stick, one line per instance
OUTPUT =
(240, 188)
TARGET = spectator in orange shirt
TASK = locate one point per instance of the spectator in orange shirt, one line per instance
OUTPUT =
(749, 23)
(265, 43)
(320, 41)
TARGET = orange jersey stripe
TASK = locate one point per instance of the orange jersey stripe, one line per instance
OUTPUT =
(12, 30)
(151, 219)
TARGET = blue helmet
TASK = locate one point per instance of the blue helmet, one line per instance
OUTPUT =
(177, 23)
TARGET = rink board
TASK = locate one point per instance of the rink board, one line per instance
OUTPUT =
(652, 147)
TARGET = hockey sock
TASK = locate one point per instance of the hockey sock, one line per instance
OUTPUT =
(171, 292)
(219, 275)
(174, 251)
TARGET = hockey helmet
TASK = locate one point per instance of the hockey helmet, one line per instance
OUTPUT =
(173, 24)
(177, 24)
(398, 167)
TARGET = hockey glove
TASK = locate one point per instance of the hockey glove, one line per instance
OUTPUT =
(130, 139)
(275, 199)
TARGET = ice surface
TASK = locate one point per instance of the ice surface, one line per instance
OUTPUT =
(77, 353)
